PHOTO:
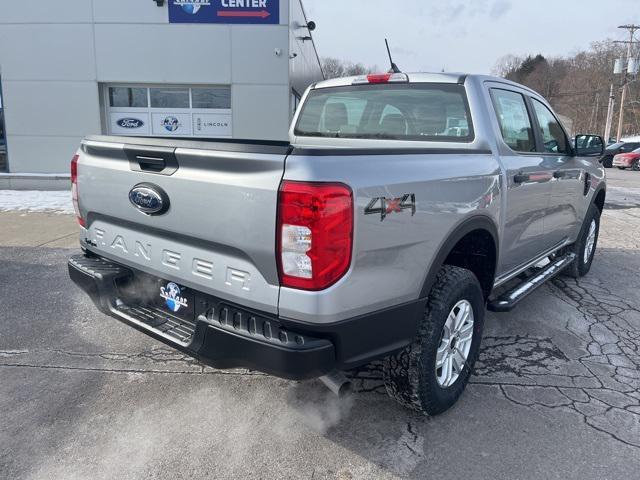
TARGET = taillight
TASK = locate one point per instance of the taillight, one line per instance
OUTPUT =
(315, 233)
(381, 78)
(74, 189)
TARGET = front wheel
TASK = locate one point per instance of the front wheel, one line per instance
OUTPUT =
(636, 165)
(430, 374)
(585, 247)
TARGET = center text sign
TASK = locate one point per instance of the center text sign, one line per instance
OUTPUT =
(224, 11)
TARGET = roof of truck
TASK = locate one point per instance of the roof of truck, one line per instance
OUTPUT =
(422, 77)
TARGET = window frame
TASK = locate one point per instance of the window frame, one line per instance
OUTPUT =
(538, 130)
(528, 108)
(470, 138)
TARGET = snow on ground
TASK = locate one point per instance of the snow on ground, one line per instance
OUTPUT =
(35, 201)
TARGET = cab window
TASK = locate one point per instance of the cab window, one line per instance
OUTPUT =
(515, 124)
(428, 112)
(553, 138)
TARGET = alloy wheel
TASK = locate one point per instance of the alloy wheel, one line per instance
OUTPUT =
(455, 344)
(591, 242)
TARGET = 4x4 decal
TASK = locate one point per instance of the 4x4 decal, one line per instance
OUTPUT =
(385, 206)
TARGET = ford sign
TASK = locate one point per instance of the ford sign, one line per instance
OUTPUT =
(149, 199)
(130, 123)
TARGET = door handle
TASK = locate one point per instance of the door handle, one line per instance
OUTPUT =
(559, 174)
(521, 178)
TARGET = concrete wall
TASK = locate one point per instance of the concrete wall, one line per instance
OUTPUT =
(55, 55)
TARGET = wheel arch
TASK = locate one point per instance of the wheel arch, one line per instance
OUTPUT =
(599, 198)
(476, 227)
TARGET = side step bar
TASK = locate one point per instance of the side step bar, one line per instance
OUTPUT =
(508, 300)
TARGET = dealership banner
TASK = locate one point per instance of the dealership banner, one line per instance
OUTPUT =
(224, 11)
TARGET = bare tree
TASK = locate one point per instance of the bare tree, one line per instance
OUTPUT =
(506, 65)
(577, 86)
(336, 68)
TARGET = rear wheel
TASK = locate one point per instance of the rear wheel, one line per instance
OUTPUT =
(585, 247)
(607, 162)
(430, 374)
(636, 165)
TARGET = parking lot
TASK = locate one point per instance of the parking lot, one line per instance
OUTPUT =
(556, 392)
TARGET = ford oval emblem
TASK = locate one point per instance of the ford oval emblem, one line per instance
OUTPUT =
(149, 199)
(130, 123)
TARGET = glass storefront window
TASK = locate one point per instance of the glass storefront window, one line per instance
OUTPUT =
(128, 97)
(211, 97)
(169, 97)
(171, 110)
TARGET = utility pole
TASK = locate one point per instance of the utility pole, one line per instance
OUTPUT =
(607, 128)
(632, 30)
(593, 121)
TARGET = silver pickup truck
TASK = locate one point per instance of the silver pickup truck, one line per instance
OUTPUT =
(402, 207)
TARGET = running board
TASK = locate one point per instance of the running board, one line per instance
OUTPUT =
(509, 299)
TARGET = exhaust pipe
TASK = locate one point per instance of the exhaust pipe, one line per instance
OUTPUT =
(337, 383)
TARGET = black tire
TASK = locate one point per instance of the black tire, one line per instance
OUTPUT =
(580, 267)
(636, 166)
(410, 375)
(607, 162)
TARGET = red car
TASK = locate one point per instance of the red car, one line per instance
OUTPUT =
(628, 160)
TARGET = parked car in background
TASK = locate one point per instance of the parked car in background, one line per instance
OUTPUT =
(628, 160)
(612, 150)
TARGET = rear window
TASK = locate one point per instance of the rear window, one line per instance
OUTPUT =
(429, 112)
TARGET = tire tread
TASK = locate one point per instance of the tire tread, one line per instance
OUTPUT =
(403, 373)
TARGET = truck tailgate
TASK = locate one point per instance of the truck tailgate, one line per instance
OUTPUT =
(218, 235)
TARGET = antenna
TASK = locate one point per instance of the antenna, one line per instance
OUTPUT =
(394, 67)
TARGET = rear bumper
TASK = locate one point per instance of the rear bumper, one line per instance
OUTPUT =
(225, 335)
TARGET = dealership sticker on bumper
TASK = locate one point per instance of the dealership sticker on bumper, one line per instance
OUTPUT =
(173, 300)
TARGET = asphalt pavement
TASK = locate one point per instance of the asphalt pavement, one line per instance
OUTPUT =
(556, 392)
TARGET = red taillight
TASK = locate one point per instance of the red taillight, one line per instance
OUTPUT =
(378, 77)
(388, 77)
(314, 233)
(74, 189)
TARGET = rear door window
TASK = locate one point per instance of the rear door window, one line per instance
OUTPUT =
(513, 117)
(429, 112)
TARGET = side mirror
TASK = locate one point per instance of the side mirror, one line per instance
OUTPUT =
(588, 146)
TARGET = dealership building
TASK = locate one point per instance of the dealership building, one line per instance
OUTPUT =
(166, 68)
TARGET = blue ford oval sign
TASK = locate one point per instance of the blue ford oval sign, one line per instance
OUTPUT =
(149, 199)
(130, 123)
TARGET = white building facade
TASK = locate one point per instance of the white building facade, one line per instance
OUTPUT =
(181, 68)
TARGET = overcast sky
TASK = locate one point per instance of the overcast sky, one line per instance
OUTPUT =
(463, 35)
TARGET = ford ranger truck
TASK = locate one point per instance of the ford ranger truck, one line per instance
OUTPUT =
(401, 208)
